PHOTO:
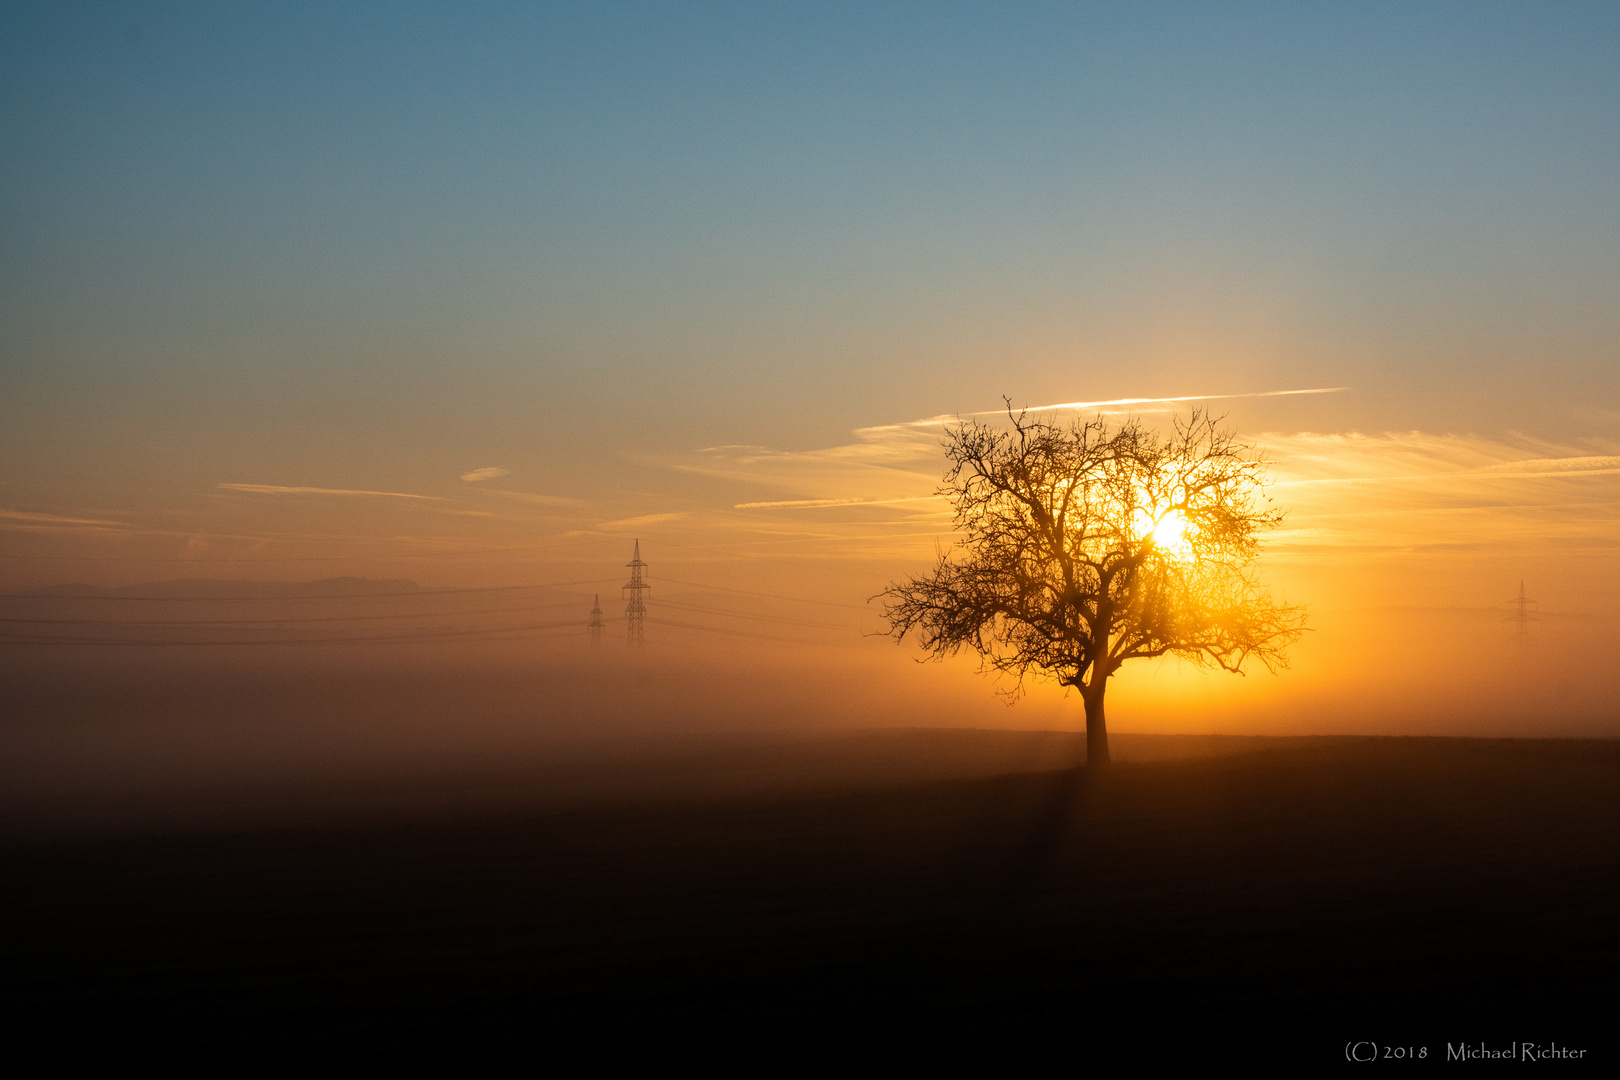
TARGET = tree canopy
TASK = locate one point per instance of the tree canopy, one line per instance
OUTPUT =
(1086, 546)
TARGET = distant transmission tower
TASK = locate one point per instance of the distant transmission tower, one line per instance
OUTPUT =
(1523, 613)
(635, 612)
(596, 624)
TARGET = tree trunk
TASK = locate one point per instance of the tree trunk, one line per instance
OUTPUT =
(1096, 726)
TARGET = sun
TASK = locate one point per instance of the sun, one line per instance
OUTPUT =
(1170, 534)
(1169, 531)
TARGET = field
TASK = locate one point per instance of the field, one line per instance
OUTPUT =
(917, 894)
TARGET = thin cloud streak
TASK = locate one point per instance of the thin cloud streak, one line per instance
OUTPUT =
(487, 473)
(531, 497)
(1352, 457)
(1403, 490)
(57, 519)
(279, 489)
(1477, 474)
(1082, 405)
(884, 465)
(1348, 492)
(644, 519)
(1112, 404)
(888, 463)
(800, 504)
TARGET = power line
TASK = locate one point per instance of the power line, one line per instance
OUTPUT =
(767, 596)
(778, 620)
(335, 598)
(231, 559)
(571, 628)
(751, 635)
(150, 623)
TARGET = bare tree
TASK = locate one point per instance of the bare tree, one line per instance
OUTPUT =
(1090, 545)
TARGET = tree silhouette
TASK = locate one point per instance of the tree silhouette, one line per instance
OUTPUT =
(1090, 545)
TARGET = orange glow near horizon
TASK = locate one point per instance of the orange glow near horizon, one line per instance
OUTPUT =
(1403, 547)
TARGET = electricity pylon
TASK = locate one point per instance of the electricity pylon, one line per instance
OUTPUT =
(635, 612)
(596, 625)
(1523, 613)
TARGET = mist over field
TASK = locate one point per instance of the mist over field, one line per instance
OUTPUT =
(203, 685)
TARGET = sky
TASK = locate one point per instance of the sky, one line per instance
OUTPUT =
(478, 295)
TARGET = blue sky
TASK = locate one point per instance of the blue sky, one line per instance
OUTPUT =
(917, 207)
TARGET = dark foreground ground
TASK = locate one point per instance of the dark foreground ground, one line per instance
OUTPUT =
(1270, 907)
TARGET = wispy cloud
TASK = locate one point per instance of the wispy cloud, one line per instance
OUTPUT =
(530, 497)
(28, 519)
(895, 466)
(644, 519)
(1131, 403)
(1111, 405)
(1356, 494)
(887, 463)
(1588, 465)
(281, 489)
(797, 504)
(1353, 457)
(1424, 491)
(489, 472)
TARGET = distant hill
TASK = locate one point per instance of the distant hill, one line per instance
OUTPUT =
(228, 589)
